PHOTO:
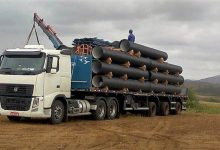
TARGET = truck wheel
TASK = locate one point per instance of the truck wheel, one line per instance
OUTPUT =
(152, 109)
(165, 108)
(100, 112)
(112, 109)
(14, 118)
(178, 108)
(57, 112)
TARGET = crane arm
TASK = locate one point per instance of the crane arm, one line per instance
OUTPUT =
(47, 29)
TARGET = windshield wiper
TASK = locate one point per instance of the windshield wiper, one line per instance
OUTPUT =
(27, 73)
(6, 68)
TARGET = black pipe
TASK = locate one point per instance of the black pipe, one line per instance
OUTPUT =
(117, 84)
(162, 67)
(133, 85)
(145, 51)
(115, 44)
(99, 67)
(163, 77)
(103, 53)
(122, 57)
(168, 89)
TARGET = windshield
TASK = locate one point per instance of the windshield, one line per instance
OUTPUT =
(22, 64)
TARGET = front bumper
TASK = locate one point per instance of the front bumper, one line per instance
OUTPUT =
(14, 108)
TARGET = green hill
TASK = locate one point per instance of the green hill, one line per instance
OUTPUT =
(203, 88)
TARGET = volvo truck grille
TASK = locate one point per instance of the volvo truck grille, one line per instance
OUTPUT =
(25, 90)
(15, 103)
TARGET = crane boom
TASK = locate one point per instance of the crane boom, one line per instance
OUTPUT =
(47, 29)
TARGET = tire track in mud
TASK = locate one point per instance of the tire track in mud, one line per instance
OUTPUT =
(47, 136)
(188, 131)
(157, 133)
(107, 143)
(60, 134)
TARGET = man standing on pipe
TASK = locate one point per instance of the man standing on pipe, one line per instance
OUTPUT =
(131, 36)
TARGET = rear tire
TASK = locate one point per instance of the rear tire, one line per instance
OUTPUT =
(165, 108)
(57, 112)
(14, 118)
(152, 109)
(112, 110)
(178, 108)
(100, 112)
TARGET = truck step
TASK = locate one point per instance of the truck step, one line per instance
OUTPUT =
(79, 114)
(140, 108)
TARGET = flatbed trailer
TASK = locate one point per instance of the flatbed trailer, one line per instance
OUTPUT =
(148, 104)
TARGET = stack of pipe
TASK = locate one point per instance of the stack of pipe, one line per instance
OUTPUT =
(92, 42)
(133, 67)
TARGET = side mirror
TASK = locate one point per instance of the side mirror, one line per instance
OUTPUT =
(1, 57)
(52, 64)
(49, 64)
(55, 62)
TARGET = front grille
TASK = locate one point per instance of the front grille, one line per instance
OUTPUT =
(25, 90)
(15, 103)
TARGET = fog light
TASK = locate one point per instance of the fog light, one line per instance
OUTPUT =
(35, 102)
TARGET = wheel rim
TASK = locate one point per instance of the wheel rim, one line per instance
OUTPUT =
(178, 108)
(112, 110)
(166, 109)
(101, 111)
(58, 112)
(153, 110)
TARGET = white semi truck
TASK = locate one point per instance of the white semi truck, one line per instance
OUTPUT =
(36, 82)
(39, 83)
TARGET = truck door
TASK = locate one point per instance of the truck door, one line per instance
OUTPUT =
(52, 79)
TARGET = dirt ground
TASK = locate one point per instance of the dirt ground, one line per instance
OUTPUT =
(185, 131)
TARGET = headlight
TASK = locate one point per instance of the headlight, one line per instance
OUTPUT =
(35, 102)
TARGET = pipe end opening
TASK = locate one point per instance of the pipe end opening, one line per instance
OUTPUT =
(97, 52)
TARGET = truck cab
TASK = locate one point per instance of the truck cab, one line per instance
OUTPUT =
(31, 79)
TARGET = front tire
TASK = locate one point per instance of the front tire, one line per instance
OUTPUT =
(57, 112)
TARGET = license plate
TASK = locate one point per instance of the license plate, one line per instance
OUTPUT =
(14, 114)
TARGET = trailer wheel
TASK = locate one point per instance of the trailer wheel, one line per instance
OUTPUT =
(178, 108)
(100, 112)
(152, 109)
(57, 112)
(165, 108)
(112, 109)
(14, 118)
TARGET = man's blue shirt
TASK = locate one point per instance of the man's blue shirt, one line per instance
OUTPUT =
(131, 38)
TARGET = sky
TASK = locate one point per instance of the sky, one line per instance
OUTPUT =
(188, 30)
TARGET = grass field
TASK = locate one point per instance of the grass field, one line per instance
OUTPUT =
(215, 99)
(206, 107)
(203, 104)
(203, 88)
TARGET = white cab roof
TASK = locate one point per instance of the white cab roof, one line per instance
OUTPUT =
(34, 48)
